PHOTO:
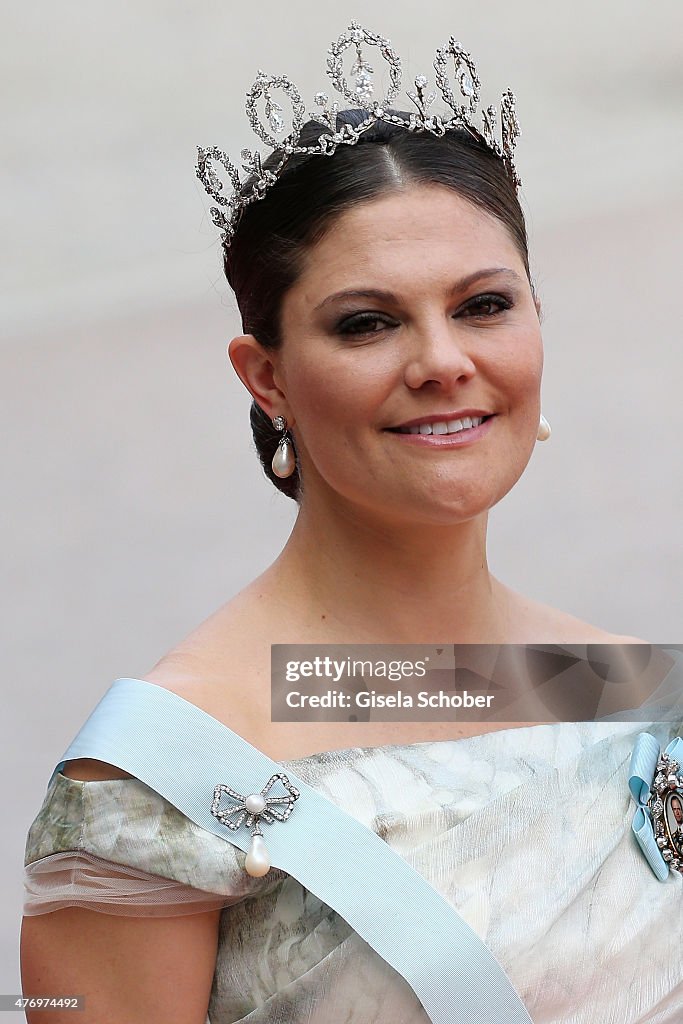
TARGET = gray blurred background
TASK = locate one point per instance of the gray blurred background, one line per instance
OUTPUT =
(133, 502)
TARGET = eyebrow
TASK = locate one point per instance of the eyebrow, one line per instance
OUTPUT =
(384, 296)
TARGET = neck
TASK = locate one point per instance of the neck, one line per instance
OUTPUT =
(355, 579)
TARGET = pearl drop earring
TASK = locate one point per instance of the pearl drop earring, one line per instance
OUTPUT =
(543, 429)
(284, 460)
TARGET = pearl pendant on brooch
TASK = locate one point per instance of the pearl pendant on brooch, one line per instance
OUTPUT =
(252, 810)
(257, 862)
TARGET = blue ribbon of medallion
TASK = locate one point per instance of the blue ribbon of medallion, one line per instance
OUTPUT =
(654, 783)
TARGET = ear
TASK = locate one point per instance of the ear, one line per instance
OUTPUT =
(256, 367)
(537, 301)
(539, 308)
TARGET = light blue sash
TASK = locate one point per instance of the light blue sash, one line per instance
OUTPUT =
(183, 753)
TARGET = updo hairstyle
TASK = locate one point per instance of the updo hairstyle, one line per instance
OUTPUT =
(266, 254)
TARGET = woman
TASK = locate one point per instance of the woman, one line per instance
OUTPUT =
(393, 350)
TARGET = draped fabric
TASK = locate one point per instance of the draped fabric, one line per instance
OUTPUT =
(525, 831)
(79, 879)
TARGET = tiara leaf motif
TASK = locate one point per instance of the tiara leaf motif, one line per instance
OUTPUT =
(271, 95)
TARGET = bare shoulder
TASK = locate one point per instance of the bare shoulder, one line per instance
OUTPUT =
(627, 640)
(222, 667)
(590, 634)
(567, 629)
(534, 622)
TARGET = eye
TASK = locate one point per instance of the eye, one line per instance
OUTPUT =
(365, 324)
(486, 306)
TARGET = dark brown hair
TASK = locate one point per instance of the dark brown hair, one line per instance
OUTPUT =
(274, 233)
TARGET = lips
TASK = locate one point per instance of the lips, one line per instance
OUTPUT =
(444, 424)
(437, 436)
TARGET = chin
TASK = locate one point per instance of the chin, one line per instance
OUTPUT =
(436, 509)
(439, 499)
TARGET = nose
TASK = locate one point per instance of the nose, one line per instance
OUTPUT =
(436, 353)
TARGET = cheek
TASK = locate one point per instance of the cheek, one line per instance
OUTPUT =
(341, 391)
(518, 367)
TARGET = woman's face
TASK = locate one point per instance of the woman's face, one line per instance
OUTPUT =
(411, 310)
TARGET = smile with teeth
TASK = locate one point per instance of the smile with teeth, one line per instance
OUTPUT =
(444, 427)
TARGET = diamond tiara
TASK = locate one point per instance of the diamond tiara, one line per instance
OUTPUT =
(271, 126)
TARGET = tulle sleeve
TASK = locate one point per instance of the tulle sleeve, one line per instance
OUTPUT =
(118, 847)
